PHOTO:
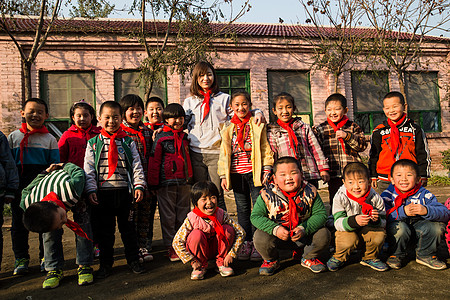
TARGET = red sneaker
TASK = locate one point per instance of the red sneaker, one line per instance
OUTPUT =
(172, 254)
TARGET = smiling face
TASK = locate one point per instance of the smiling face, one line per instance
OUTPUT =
(404, 178)
(288, 177)
(34, 114)
(393, 108)
(82, 118)
(335, 111)
(240, 106)
(110, 119)
(175, 123)
(133, 115)
(207, 204)
(284, 110)
(154, 112)
(205, 81)
(357, 184)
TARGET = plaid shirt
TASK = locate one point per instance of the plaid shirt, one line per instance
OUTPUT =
(148, 133)
(310, 154)
(354, 142)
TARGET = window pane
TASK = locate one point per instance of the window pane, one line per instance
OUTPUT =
(363, 120)
(430, 121)
(126, 82)
(368, 89)
(238, 81)
(422, 90)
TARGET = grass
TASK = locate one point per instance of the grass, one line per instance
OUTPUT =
(439, 181)
(7, 210)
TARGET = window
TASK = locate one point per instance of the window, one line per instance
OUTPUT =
(422, 96)
(296, 83)
(368, 90)
(126, 82)
(232, 81)
(61, 90)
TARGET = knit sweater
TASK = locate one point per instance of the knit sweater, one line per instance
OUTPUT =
(345, 210)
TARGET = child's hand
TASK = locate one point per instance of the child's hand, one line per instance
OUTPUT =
(223, 184)
(409, 210)
(418, 209)
(228, 260)
(93, 199)
(325, 176)
(159, 130)
(362, 220)
(195, 264)
(374, 183)
(298, 233)
(54, 167)
(341, 134)
(282, 233)
(375, 215)
(138, 195)
(259, 118)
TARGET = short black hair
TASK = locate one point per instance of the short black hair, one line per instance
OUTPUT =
(284, 96)
(336, 97)
(286, 160)
(40, 216)
(173, 110)
(154, 99)
(83, 105)
(37, 100)
(405, 163)
(130, 100)
(356, 168)
(244, 94)
(207, 188)
(111, 104)
(395, 94)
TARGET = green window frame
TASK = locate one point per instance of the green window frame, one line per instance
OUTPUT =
(368, 90)
(298, 84)
(60, 89)
(125, 82)
(422, 96)
(231, 81)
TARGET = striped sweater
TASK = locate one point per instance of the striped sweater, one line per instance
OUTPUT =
(67, 183)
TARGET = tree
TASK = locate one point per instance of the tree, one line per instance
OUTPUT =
(187, 37)
(91, 9)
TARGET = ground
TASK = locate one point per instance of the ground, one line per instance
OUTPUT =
(164, 279)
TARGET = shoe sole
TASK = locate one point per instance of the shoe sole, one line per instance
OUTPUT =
(394, 267)
(50, 287)
(224, 274)
(314, 271)
(85, 283)
(21, 273)
(175, 259)
(430, 266)
(372, 267)
(265, 273)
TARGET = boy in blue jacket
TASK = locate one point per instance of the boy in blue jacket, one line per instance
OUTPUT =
(413, 211)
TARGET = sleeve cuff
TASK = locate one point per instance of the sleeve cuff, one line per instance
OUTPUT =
(352, 222)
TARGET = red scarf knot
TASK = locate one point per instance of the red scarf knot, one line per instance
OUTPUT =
(401, 198)
(293, 141)
(136, 132)
(240, 128)
(293, 212)
(365, 207)
(26, 136)
(178, 140)
(206, 100)
(154, 126)
(338, 126)
(113, 153)
(218, 228)
(396, 143)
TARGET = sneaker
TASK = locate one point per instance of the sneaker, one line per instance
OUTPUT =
(268, 268)
(394, 262)
(21, 266)
(42, 265)
(431, 262)
(144, 256)
(334, 264)
(225, 271)
(255, 256)
(314, 265)
(52, 280)
(375, 264)
(198, 274)
(172, 254)
(137, 267)
(245, 251)
(85, 275)
(96, 251)
(103, 272)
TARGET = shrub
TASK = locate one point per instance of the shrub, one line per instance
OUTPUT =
(446, 159)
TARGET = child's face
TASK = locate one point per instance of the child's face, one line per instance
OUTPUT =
(60, 218)
(288, 177)
(133, 115)
(357, 184)
(153, 112)
(284, 109)
(207, 204)
(393, 108)
(240, 106)
(34, 114)
(175, 123)
(82, 118)
(205, 81)
(404, 178)
(335, 111)
(110, 119)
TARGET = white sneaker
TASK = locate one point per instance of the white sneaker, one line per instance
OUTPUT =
(245, 251)
(144, 255)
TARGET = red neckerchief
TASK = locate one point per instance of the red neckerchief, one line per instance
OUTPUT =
(139, 134)
(293, 141)
(26, 135)
(178, 140)
(338, 126)
(240, 128)
(85, 132)
(154, 126)
(293, 213)
(398, 201)
(113, 153)
(218, 228)
(395, 134)
(366, 207)
(53, 197)
(207, 97)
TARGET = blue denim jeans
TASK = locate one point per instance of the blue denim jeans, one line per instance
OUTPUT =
(428, 235)
(245, 195)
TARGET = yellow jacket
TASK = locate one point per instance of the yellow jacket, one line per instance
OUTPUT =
(262, 155)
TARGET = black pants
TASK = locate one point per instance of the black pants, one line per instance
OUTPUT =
(114, 203)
